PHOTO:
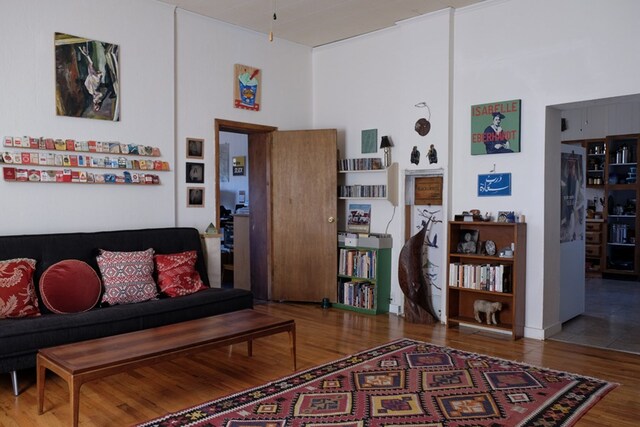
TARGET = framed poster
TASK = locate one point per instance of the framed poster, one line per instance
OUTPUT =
(494, 184)
(195, 173)
(239, 164)
(359, 218)
(195, 148)
(87, 78)
(495, 127)
(195, 197)
(246, 87)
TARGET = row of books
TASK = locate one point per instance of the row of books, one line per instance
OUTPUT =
(484, 277)
(357, 263)
(42, 143)
(362, 191)
(68, 175)
(80, 160)
(362, 164)
(357, 293)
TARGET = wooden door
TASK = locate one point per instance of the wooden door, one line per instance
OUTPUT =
(303, 221)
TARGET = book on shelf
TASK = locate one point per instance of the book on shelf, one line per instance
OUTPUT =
(357, 263)
(484, 277)
(357, 293)
(361, 164)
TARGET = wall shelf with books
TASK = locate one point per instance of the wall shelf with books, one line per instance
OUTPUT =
(364, 275)
(367, 179)
(487, 262)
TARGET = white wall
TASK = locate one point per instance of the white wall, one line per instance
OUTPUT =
(546, 52)
(207, 50)
(374, 82)
(27, 87)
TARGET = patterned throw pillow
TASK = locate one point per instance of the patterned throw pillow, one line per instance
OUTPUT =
(17, 293)
(70, 286)
(177, 275)
(127, 276)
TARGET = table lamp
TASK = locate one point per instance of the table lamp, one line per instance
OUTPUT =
(385, 144)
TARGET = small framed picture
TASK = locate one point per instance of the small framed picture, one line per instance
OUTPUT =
(195, 173)
(195, 148)
(506, 216)
(195, 197)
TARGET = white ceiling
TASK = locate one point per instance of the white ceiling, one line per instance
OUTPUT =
(315, 22)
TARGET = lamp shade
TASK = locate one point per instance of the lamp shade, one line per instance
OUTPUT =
(385, 142)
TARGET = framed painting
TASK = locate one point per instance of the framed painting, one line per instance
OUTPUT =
(87, 78)
(247, 88)
(495, 127)
(195, 173)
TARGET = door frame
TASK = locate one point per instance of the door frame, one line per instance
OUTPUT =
(256, 134)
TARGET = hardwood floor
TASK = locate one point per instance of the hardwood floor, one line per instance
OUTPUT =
(322, 336)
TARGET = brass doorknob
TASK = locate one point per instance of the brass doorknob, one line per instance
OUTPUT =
(332, 220)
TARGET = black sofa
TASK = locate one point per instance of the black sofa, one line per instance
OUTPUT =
(20, 338)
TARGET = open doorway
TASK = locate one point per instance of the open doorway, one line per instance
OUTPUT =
(610, 316)
(245, 233)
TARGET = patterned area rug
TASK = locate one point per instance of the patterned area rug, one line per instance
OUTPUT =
(405, 383)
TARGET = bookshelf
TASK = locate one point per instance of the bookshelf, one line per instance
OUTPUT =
(466, 282)
(364, 275)
(366, 181)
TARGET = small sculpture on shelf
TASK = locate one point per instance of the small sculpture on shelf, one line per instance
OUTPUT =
(488, 308)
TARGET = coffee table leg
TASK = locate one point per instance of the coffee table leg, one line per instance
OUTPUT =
(292, 343)
(74, 397)
(41, 372)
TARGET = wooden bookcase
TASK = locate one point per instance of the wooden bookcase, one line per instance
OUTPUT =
(378, 276)
(460, 299)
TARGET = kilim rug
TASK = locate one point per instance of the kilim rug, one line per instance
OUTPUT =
(405, 383)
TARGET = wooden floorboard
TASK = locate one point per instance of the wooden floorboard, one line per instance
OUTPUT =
(322, 336)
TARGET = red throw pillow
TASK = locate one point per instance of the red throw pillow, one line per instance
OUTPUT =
(70, 286)
(177, 275)
(17, 293)
(127, 276)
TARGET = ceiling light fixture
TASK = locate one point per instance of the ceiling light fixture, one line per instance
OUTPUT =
(274, 18)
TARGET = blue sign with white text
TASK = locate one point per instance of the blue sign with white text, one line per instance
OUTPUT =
(494, 184)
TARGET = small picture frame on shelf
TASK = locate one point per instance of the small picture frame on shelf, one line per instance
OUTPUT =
(506, 216)
(195, 148)
(468, 243)
(195, 197)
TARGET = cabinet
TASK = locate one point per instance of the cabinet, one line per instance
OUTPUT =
(593, 247)
(596, 154)
(474, 275)
(621, 195)
(364, 275)
(364, 181)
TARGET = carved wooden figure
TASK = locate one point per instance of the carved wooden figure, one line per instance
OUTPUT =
(417, 291)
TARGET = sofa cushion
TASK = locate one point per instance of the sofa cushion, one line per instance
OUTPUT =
(70, 286)
(17, 293)
(127, 276)
(177, 275)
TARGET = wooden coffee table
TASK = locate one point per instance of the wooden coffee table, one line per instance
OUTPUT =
(84, 361)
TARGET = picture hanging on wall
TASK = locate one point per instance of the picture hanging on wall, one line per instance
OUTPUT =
(247, 82)
(195, 197)
(87, 78)
(495, 127)
(494, 184)
(224, 162)
(239, 165)
(195, 148)
(369, 141)
(195, 173)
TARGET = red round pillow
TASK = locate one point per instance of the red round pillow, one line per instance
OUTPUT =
(70, 286)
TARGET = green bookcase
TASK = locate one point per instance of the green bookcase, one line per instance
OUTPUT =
(364, 290)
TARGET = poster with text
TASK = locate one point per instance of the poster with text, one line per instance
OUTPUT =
(246, 87)
(495, 127)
